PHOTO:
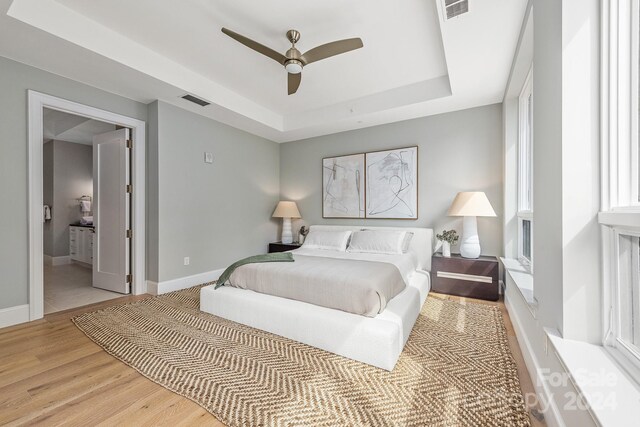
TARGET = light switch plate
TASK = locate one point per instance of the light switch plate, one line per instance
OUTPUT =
(208, 157)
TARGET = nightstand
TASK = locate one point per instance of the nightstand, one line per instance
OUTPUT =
(465, 277)
(282, 247)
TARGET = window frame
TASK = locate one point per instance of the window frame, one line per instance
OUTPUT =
(633, 277)
(626, 355)
(525, 168)
(620, 202)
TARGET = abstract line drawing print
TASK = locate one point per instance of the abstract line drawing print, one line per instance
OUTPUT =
(392, 184)
(343, 187)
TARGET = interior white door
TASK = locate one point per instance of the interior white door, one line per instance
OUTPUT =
(111, 211)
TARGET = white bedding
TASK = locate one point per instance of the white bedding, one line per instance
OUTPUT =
(406, 263)
(356, 283)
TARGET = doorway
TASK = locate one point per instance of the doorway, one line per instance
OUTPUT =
(77, 151)
(118, 166)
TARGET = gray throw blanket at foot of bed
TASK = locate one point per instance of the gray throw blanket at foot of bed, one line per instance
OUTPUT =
(256, 259)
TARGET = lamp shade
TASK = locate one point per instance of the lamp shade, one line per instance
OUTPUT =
(286, 210)
(471, 203)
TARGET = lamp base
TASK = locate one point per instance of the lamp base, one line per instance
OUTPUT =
(287, 235)
(470, 243)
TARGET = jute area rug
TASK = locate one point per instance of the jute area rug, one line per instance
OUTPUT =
(456, 369)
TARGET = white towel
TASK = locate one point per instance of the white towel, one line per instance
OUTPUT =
(87, 220)
(47, 213)
(85, 205)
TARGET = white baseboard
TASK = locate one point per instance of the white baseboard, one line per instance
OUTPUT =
(552, 416)
(14, 315)
(152, 287)
(57, 260)
(157, 288)
(81, 264)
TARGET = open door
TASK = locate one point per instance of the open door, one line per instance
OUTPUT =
(111, 219)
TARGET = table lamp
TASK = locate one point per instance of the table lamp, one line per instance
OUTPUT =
(470, 204)
(286, 211)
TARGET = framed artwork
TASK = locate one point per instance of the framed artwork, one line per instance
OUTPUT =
(343, 193)
(392, 184)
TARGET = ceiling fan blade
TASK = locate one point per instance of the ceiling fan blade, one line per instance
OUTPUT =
(293, 82)
(267, 51)
(331, 49)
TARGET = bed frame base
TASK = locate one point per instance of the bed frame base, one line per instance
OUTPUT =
(377, 341)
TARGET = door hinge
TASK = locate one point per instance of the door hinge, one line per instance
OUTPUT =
(129, 234)
(129, 278)
(129, 188)
(129, 143)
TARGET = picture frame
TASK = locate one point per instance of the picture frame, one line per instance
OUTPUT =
(391, 181)
(343, 186)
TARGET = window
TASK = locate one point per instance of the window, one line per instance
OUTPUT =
(629, 297)
(623, 334)
(525, 173)
(620, 213)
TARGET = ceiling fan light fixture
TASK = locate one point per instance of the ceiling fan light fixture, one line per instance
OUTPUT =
(293, 66)
(293, 60)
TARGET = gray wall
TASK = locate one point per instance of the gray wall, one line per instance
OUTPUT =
(217, 213)
(547, 161)
(212, 213)
(15, 80)
(47, 194)
(566, 237)
(72, 177)
(566, 234)
(458, 151)
(152, 191)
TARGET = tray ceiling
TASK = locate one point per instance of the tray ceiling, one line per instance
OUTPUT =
(413, 63)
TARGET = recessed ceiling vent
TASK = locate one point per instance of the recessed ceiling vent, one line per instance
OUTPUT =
(196, 100)
(455, 8)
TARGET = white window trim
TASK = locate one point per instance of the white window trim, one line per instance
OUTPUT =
(630, 274)
(624, 354)
(525, 133)
(619, 127)
(526, 262)
(620, 212)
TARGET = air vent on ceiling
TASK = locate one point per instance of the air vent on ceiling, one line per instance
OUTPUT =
(195, 100)
(455, 8)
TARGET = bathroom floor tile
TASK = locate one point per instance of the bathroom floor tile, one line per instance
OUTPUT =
(69, 286)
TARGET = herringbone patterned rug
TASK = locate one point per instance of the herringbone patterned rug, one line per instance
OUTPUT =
(456, 369)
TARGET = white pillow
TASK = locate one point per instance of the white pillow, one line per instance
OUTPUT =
(331, 240)
(377, 241)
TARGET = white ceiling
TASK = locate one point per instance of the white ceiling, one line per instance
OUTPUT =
(413, 63)
(193, 39)
(71, 128)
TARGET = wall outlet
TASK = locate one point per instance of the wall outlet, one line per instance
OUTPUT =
(186, 260)
(208, 157)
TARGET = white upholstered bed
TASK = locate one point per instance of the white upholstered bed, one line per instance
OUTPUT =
(377, 340)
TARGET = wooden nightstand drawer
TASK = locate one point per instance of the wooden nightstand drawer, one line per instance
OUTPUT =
(473, 278)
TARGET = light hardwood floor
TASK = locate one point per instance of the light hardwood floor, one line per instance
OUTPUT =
(523, 374)
(52, 374)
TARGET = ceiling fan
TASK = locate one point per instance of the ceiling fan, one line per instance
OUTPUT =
(293, 60)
